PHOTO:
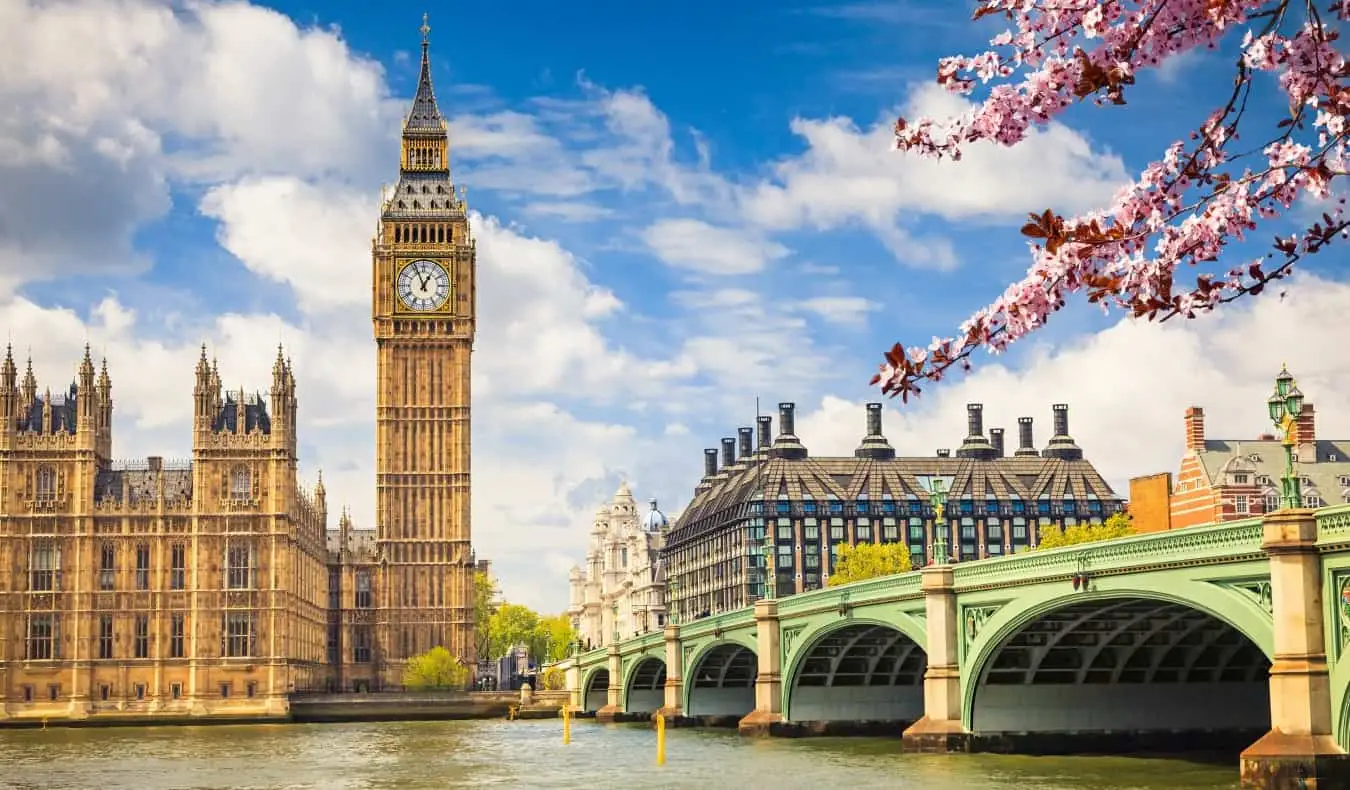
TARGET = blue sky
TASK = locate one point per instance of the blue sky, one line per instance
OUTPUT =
(679, 208)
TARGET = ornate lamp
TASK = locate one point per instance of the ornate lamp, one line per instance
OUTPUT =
(770, 583)
(672, 608)
(1284, 406)
(937, 497)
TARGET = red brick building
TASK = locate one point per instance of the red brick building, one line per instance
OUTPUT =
(1228, 479)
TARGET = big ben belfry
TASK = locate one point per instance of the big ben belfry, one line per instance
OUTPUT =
(422, 308)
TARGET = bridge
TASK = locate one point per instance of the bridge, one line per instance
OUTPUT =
(1232, 634)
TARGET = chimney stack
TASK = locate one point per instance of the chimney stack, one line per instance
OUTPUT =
(728, 452)
(747, 437)
(996, 439)
(709, 462)
(1195, 429)
(1061, 419)
(874, 444)
(1026, 444)
(974, 420)
(787, 445)
(874, 419)
(765, 427)
(975, 445)
(1061, 445)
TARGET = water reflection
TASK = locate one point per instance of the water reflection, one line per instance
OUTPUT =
(416, 755)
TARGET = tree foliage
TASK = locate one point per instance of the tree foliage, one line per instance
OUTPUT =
(1246, 163)
(868, 561)
(484, 596)
(435, 669)
(1119, 525)
(502, 626)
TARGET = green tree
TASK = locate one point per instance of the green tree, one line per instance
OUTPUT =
(484, 595)
(1119, 525)
(552, 639)
(435, 669)
(868, 561)
(511, 624)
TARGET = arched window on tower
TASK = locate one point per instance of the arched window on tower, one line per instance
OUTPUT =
(410, 189)
(440, 190)
(416, 204)
(240, 483)
(426, 189)
(46, 483)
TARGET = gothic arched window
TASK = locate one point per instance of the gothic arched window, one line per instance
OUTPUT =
(240, 483)
(46, 483)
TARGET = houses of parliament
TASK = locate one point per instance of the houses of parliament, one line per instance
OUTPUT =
(214, 587)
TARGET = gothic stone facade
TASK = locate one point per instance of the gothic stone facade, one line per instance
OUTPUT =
(995, 504)
(152, 587)
(622, 589)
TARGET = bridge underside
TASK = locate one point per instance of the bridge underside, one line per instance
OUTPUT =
(723, 683)
(1125, 666)
(597, 692)
(859, 673)
(647, 687)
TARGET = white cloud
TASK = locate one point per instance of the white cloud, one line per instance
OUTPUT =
(843, 310)
(312, 237)
(1128, 386)
(848, 175)
(698, 246)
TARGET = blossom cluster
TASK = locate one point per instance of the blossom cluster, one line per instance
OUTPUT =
(1184, 208)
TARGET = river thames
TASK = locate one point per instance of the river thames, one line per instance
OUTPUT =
(415, 755)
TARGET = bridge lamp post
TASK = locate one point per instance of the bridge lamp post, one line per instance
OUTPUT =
(672, 608)
(770, 583)
(614, 615)
(937, 497)
(1285, 404)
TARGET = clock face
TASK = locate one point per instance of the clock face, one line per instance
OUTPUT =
(423, 286)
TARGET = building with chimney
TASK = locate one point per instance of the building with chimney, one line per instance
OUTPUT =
(1226, 479)
(996, 504)
(156, 588)
(622, 590)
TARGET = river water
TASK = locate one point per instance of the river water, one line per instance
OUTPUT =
(417, 755)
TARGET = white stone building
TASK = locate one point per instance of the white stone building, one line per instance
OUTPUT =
(622, 588)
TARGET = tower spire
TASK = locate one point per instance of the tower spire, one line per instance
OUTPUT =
(425, 115)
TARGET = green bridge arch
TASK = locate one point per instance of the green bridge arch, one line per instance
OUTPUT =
(743, 639)
(1203, 596)
(820, 629)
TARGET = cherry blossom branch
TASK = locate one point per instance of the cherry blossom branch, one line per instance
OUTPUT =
(1104, 253)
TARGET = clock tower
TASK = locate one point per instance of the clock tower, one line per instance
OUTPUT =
(422, 305)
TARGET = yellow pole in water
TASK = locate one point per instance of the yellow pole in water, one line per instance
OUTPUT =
(567, 724)
(660, 739)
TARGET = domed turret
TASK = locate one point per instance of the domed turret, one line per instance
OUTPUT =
(654, 520)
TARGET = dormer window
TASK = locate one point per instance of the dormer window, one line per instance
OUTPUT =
(1254, 458)
(1263, 480)
(1241, 479)
(1345, 481)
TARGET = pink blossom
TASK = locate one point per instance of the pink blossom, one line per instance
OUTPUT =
(1184, 208)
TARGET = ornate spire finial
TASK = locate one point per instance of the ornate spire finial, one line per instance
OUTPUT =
(425, 29)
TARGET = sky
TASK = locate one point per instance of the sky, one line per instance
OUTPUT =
(679, 208)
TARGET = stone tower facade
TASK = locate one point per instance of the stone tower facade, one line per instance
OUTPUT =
(422, 305)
